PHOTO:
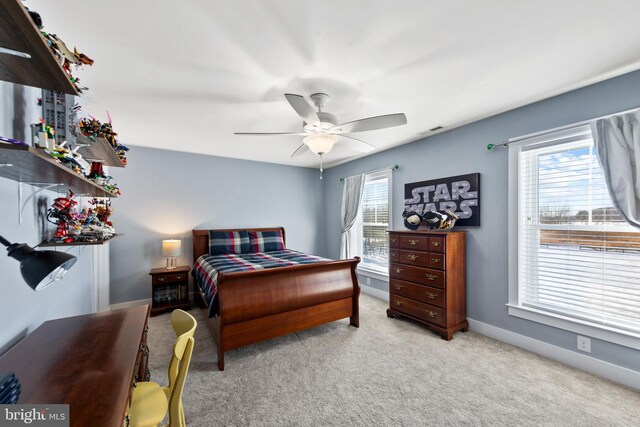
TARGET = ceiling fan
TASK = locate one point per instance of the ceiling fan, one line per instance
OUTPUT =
(322, 131)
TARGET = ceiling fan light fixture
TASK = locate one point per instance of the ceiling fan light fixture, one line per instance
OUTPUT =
(320, 143)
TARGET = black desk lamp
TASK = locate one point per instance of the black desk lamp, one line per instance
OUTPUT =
(39, 268)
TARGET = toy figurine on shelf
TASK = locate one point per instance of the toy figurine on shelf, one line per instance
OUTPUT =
(89, 127)
(93, 128)
(121, 151)
(67, 158)
(97, 224)
(67, 58)
(96, 174)
(60, 214)
(111, 188)
(102, 208)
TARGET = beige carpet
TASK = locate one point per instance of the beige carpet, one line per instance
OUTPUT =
(388, 372)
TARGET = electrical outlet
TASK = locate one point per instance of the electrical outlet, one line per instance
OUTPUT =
(368, 280)
(584, 344)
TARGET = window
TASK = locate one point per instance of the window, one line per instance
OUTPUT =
(370, 239)
(577, 263)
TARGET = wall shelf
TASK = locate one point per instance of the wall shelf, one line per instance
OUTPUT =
(99, 150)
(19, 33)
(35, 167)
(46, 244)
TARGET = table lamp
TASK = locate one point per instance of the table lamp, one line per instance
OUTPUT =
(171, 249)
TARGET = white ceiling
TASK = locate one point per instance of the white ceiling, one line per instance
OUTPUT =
(185, 75)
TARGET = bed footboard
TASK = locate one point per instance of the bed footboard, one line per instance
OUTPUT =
(259, 305)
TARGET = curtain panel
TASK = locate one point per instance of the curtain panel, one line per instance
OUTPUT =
(351, 198)
(617, 142)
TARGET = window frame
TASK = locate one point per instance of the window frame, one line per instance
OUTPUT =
(378, 274)
(514, 304)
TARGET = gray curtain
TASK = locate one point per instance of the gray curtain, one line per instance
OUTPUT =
(351, 196)
(617, 141)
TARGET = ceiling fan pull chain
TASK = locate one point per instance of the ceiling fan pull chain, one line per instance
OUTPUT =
(321, 170)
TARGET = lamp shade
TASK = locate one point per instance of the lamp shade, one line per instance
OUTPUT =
(171, 247)
(40, 268)
(320, 143)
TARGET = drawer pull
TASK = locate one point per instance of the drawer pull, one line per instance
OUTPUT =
(179, 277)
(412, 257)
(436, 244)
(431, 313)
(431, 295)
(393, 240)
(126, 421)
(146, 327)
(161, 279)
(398, 287)
(413, 242)
(435, 259)
(398, 302)
(431, 277)
(397, 270)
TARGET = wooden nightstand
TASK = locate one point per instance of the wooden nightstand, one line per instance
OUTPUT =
(169, 289)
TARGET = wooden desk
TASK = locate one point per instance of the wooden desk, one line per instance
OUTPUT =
(88, 362)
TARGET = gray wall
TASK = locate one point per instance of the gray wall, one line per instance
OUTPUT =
(22, 309)
(166, 194)
(462, 151)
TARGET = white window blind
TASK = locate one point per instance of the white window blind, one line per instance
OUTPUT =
(369, 233)
(577, 257)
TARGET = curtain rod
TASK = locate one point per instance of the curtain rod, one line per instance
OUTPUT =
(559, 128)
(394, 167)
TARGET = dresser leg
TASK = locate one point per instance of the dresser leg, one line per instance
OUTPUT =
(390, 313)
(446, 335)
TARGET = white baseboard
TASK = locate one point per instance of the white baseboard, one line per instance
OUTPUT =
(384, 295)
(595, 366)
(129, 304)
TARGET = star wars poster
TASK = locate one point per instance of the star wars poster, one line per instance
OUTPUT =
(458, 194)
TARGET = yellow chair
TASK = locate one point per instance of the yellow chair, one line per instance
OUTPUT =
(149, 400)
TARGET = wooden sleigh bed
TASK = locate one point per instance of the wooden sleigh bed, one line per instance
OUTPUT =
(261, 304)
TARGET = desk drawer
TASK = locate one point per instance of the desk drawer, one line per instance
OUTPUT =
(394, 240)
(422, 311)
(419, 275)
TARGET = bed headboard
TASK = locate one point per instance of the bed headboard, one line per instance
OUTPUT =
(201, 239)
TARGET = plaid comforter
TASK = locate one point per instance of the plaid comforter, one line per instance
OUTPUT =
(207, 267)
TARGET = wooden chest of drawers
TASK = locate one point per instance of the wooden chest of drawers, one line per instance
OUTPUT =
(427, 279)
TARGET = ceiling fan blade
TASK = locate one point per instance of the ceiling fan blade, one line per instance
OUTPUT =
(268, 133)
(358, 145)
(371, 123)
(303, 108)
(300, 151)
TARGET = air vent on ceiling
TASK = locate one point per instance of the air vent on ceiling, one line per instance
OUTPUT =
(436, 128)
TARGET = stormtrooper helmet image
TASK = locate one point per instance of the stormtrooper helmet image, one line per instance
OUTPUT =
(412, 219)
